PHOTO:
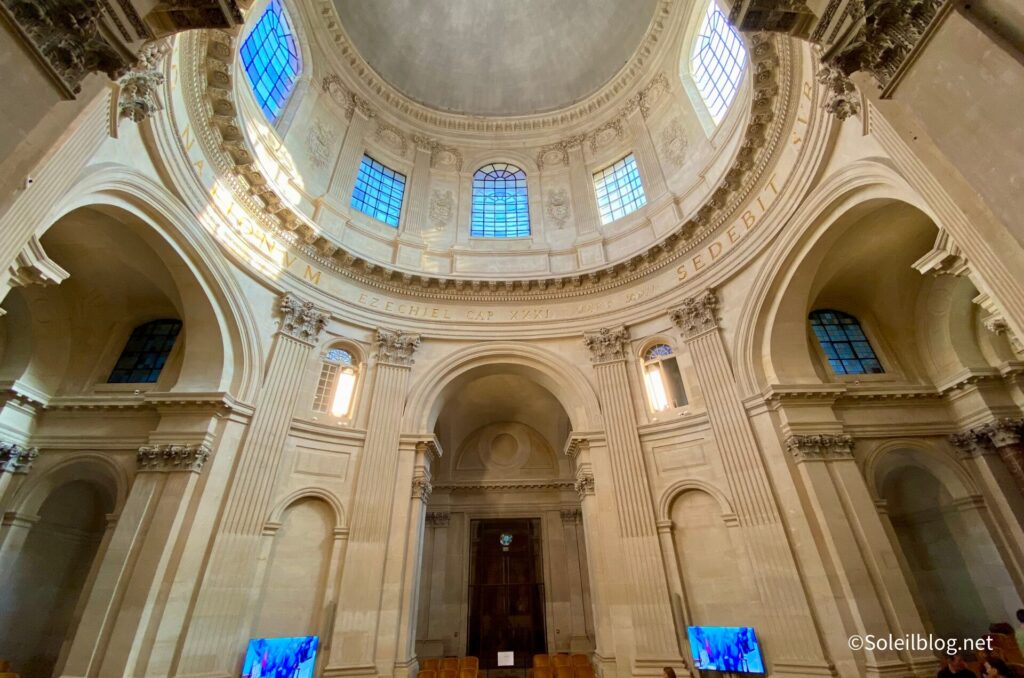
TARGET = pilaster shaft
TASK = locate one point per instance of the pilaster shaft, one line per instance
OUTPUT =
(225, 596)
(783, 601)
(652, 616)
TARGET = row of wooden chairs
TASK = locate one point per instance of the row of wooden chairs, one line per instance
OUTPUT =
(561, 672)
(450, 667)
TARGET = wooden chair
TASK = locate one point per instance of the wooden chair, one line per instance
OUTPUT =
(563, 672)
(427, 673)
(468, 673)
(469, 663)
(542, 672)
(451, 663)
(541, 661)
(580, 660)
(583, 671)
(430, 665)
(448, 673)
(561, 660)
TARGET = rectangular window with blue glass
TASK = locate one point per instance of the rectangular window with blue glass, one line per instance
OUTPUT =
(619, 190)
(379, 191)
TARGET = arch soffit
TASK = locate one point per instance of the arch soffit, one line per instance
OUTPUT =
(116, 186)
(894, 455)
(566, 383)
(99, 469)
(276, 515)
(855, 186)
(681, 487)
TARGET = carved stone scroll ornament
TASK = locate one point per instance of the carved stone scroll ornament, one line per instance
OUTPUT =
(607, 344)
(395, 347)
(841, 99)
(820, 447)
(138, 99)
(301, 319)
(697, 314)
(172, 457)
(16, 458)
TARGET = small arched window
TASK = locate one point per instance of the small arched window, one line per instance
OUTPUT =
(145, 354)
(844, 343)
(271, 59)
(717, 61)
(501, 208)
(336, 386)
(661, 375)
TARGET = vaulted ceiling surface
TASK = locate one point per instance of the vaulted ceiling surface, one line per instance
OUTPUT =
(496, 58)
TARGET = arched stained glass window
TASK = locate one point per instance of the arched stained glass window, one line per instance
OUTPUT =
(270, 56)
(501, 208)
(145, 353)
(717, 61)
(336, 386)
(844, 343)
(661, 376)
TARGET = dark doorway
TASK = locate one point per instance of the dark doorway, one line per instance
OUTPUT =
(506, 591)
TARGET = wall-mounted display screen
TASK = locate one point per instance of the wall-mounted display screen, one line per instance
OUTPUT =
(280, 657)
(725, 648)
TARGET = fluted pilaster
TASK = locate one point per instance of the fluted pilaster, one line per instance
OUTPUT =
(784, 602)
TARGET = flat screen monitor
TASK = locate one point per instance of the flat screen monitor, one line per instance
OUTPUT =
(725, 648)
(280, 657)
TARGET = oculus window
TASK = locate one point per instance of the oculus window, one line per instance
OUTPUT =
(717, 62)
(501, 208)
(844, 343)
(619, 190)
(145, 354)
(335, 389)
(661, 376)
(379, 191)
(270, 56)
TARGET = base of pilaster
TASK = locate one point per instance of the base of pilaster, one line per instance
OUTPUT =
(651, 667)
(406, 669)
(363, 671)
(791, 668)
(917, 666)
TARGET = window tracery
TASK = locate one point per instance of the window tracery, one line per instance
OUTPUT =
(270, 56)
(145, 353)
(379, 191)
(619, 189)
(844, 343)
(717, 62)
(500, 203)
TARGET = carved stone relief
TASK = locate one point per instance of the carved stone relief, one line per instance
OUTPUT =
(557, 206)
(674, 142)
(319, 141)
(442, 206)
(391, 136)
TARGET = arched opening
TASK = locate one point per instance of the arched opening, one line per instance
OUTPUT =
(49, 574)
(504, 557)
(960, 582)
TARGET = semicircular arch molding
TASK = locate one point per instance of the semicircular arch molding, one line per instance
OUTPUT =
(276, 515)
(681, 487)
(893, 455)
(99, 469)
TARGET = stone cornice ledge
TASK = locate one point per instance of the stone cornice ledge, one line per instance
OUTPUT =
(503, 486)
(204, 401)
(214, 115)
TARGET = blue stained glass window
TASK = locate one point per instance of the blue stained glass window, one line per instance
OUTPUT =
(379, 191)
(717, 62)
(619, 190)
(501, 208)
(145, 353)
(844, 343)
(270, 56)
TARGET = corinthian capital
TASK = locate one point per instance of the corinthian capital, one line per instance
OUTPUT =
(607, 344)
(820, 447)
(301, 319)
(697, 315)
(172, 457)
(16, 458)
(396, 348)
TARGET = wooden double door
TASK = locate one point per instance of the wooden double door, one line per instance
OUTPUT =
(506, 591)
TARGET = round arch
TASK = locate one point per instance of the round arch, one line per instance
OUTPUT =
(568, 385)
(97, 469)
(202, 262)
(681, 487)
(894, 455)
(337, 510)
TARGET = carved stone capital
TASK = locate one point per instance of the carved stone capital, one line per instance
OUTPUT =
(841, 99)
(172, 457)
(16, 458)
(1004, 432)
(421, 488)
(301, 319)
(571, 516)
(395, 347)
(607, 344)
(438, 518)
(820, 447)
(697, 315)
(584, 485)
(137, 99)
(971, 444)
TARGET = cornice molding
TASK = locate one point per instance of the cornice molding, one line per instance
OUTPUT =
(506, 486)
(214, 115)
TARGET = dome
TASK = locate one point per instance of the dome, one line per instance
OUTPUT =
(447, 54)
